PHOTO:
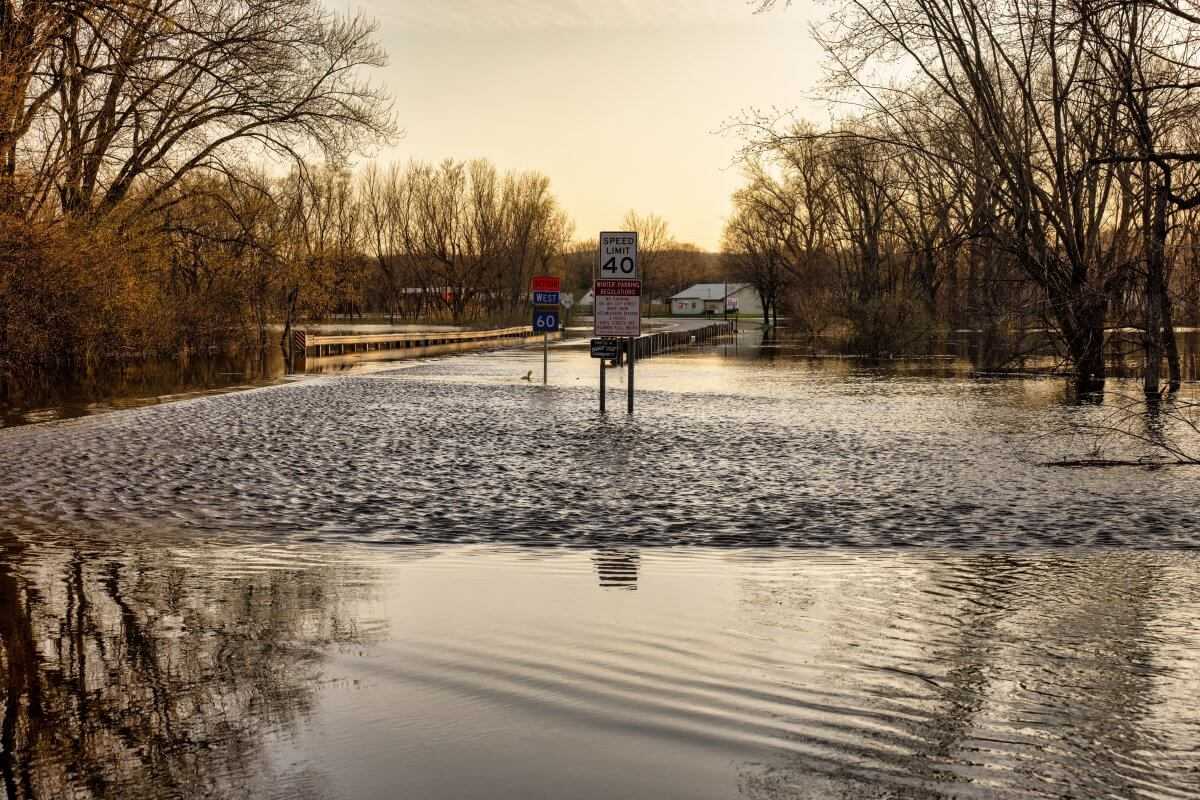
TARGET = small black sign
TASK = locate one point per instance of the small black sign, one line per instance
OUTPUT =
(606, 348)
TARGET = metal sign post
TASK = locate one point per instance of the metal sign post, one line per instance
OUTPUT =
(617, 296)
(605, 350)
(632, 358)
(544, 290)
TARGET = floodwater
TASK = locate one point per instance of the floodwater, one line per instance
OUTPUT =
(784, 577)
(29, 400)
(142, 382)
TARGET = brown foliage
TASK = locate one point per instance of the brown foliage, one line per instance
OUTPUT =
(73, 294)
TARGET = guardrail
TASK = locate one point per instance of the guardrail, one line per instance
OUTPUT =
(312, 345)
(653, 344)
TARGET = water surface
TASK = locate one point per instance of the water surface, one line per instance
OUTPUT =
(229, 670)
(784, 577)
(725, 449)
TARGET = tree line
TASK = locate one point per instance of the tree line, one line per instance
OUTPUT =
(147, 205)
(1010, 165)
(175, 179)
(128, 209)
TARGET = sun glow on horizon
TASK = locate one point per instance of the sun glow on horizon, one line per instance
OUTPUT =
(620, 103)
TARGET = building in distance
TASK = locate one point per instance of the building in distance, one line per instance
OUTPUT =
(712, 299)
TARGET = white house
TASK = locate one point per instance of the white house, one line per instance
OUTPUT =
(706, 298)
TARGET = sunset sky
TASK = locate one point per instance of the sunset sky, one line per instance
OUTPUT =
(619, 102)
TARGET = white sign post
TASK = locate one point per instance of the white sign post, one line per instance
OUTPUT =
(617, 296)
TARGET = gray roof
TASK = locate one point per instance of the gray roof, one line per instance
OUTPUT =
(709, 291)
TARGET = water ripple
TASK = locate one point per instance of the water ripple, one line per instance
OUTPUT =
(406, 457)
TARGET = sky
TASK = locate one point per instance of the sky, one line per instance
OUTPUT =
(620, 102)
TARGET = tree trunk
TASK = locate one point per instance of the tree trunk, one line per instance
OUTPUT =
(286, 342)
(1175, 372)
(1154, 216)
(954, 299)
(1087, 347)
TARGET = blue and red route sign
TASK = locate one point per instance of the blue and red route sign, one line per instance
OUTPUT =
(545, 290)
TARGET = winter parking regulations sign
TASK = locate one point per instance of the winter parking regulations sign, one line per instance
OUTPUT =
(617, 308)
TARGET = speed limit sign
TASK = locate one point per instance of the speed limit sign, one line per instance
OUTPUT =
(618, 255)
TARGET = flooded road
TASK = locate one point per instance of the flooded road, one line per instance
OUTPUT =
(724, 450)
(783, 578)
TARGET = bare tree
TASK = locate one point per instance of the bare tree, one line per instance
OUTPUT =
(1147, 54)
(29, 34)
(379, 196)
(1022, 75)
(461, 235)
(101, 96)
(759, 238)
(654, 237)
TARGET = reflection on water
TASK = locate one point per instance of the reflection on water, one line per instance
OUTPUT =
(969, 352)
(147, 673)
(46, 397)
(617, 569)
(231, 671)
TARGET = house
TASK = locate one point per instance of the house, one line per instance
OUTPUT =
(715, 298)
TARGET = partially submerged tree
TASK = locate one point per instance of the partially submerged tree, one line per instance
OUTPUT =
(128, 129)
(1061, 114)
